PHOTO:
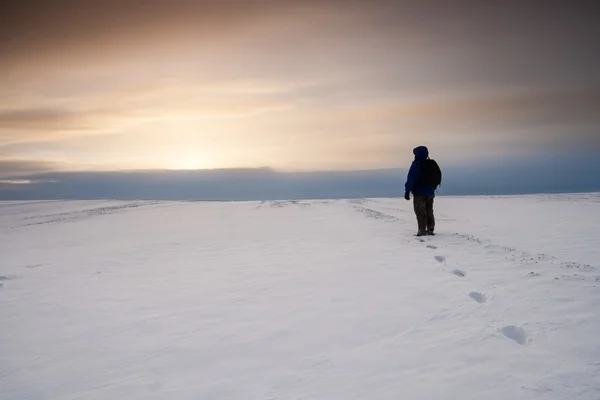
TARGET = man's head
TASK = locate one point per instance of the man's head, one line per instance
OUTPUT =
(421, 153)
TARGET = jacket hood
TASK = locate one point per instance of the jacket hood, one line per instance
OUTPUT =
(421, 153)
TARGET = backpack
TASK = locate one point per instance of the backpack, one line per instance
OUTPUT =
(430, 174)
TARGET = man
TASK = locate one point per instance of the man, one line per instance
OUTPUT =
(423, 179)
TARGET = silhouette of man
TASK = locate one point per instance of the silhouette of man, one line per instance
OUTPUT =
(424, 176)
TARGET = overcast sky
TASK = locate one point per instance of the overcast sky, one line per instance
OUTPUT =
(294, 85)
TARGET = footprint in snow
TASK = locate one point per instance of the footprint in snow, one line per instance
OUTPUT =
(440, 258)
(478, 297)
(515, 333)
(460, 273)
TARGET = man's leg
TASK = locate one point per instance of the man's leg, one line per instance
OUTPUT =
(419, 203)
(429, 214)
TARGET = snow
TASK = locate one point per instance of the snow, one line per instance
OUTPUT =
(301, 300)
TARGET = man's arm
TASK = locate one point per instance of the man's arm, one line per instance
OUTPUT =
(410, 179)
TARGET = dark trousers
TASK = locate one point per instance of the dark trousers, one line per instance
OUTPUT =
(424, 210)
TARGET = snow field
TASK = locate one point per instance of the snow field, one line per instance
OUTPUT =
(300, 300)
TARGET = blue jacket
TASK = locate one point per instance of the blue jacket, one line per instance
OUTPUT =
(421, 153)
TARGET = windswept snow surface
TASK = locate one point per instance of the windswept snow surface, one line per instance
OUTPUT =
(300, 300)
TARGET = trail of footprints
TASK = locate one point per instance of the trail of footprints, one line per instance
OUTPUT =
(512, 332)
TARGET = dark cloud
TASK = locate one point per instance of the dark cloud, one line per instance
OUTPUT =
(32, 29)
(530, 111)
(406, 45)
(234, 184)
(509, 176)
(488, 31)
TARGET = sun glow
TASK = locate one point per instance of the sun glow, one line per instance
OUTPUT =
(190, 160)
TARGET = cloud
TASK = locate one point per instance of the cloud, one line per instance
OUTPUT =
(68, 32)
(223, 184)
(46, 120)
(45, 124)
(519, 175)
(104, 112)
(550, 100)
(16, 182)
(492, 41)
(25, 168)
(506, 116)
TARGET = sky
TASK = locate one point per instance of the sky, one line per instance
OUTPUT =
(293, 86)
